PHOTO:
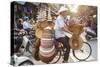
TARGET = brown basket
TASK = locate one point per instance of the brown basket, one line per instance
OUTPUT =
(35, 54)
(75, 43)
(35, 50)
(47, 59)
(38, 33)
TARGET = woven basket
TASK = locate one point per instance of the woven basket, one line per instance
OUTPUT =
(75, 43)
(48, 59)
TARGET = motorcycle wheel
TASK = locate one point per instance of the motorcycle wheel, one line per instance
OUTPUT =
(26, 63)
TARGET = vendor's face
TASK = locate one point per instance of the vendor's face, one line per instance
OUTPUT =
(64, 13)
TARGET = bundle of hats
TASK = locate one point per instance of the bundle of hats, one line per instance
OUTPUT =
(47, 49)
(40, 25)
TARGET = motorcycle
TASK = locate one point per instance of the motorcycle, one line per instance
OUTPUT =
(90, 34)
(21, 60)
(18, 58)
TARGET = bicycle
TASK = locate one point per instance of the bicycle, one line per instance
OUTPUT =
(81, 54)
(85, 50)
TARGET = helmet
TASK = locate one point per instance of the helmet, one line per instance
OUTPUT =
(25, 18)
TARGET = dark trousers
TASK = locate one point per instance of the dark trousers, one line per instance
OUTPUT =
(28, 30)
(65, 42)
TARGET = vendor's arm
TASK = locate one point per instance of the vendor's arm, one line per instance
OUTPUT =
(63, 26)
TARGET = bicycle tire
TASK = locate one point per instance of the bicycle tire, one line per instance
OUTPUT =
(74, 54)
(59, 56)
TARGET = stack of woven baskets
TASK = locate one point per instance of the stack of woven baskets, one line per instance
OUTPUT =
(47, 49)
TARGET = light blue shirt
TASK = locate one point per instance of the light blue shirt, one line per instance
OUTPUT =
(59, 23)
(26, 25)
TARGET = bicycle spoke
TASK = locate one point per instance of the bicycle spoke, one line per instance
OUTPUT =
(83, 53)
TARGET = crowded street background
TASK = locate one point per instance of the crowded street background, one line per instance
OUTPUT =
(33, 12)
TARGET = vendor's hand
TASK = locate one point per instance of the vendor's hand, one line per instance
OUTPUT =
(70, 33)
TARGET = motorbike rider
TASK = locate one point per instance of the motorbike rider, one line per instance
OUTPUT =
(26, 25)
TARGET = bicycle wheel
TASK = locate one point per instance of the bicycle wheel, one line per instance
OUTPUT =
(83, 53)
(56, 58)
